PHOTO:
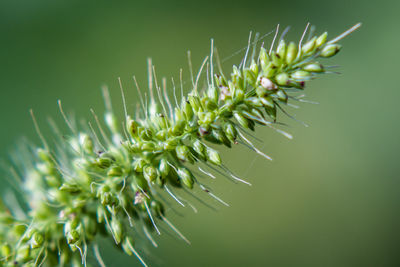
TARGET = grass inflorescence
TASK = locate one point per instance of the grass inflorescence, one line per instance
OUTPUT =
(114, 181)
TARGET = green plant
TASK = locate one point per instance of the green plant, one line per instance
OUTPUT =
(113, 183)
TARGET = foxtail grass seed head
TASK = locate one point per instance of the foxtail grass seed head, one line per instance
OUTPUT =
(114, 180)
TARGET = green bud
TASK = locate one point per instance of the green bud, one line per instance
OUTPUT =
(103, 162)
(73, 236)
(132, 127)
(227, 108)
(5, 250)
(106, 198)
(44, 155)
(183, 153)
(276, 59)
(150, 173)
(321, 39)
(117, 229)
(282, 79)
(164, 167)
(37, 240)
(100, 214)
(171, 143)
(86, 143)
(199, 148)
(300, 75)
(219, 135)
(138, 164)
(267, 101)
(330, 50)
(213, 156)
(282, 96)
(254, 101)
(264, 58)
(281, 50)
(230, 131)
(186, 106)
(291, 53)
(212, 93)
(254, 67)
(270, 70)
(22, 254)
(187, 177)
(147, 146)
(271, 112)
(195, 102)
(244, 122)
(157, 207)
(115, 171)
(313, 67)
(309, 46)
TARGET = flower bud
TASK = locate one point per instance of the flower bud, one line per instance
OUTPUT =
(291, 53)
(242, 120)
(230, 131)
(313, 67)
(157, 207)
(103, 162)
(37, 240)
(267, 84)
(267, 101)
(73, 236)
(219, 135)
(281, 50)
(117, 229)
(212, 93)
(22, 254)
(199, 148)
(150, 173)
(282, 96)
(115, 171)
(5, 250)
(195, 102)
(271, 111)
(44, 154)
(138, 164)
(254, 101)
(213, 156)
(264, 58)
(187, 177)
(309, 46)
(300, 75)
(282, 79)
(330, 50)
(86, 143)
(270, 70)
(132, 127)
(164, 167)
(183, 153)
(321, 39)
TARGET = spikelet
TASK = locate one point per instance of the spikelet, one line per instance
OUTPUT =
(112, 184)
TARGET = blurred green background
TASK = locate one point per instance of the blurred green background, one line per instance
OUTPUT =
(331, 195)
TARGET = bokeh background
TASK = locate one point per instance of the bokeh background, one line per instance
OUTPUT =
(330, 197)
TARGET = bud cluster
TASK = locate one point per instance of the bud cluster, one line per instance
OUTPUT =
(114, 186)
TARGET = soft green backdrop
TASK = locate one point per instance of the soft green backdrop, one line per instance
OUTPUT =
(329, 198)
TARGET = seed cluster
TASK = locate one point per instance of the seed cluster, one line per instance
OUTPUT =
(115, 186)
